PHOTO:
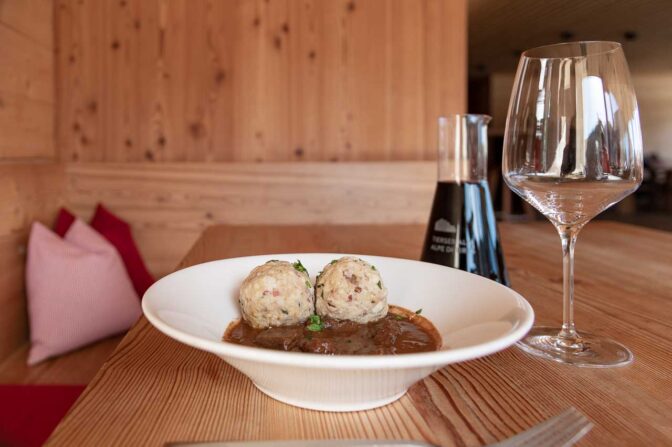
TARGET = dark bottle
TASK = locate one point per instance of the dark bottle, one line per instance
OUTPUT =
(462, 231)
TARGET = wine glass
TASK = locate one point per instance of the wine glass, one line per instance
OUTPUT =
(573, 148)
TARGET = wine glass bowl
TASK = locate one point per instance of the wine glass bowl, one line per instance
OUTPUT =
(573, 148)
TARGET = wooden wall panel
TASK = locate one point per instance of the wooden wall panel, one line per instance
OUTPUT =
(26, 80)
(30, 186)
(170, 204)
(30, 18)
(28, 192)
(257, 80)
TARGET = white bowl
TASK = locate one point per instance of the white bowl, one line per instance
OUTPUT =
(474, 315)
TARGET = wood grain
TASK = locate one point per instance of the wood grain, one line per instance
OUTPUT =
(30, 18)
(176, 201)
(74, 368)
(28, 192)
(26, 80)
(257, 80)
(154, 390)
(29, 188)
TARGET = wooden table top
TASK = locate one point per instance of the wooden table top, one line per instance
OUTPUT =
(154, 390)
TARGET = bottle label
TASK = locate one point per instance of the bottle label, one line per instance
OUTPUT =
(443, 244)
(462, 231)
(444, 226)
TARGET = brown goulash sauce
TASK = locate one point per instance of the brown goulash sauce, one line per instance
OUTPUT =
(399, 332)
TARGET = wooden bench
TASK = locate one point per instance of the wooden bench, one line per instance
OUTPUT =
(75, 368)
(145, 194)
(28, 193)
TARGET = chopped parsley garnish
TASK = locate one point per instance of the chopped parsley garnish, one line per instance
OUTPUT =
(272, 260)
(418, 312)
(315, 323)
(284, 311)
(333, 262)
(373, 267)
(298, 266)
(399, 317)
(380, 285)
(308, 284)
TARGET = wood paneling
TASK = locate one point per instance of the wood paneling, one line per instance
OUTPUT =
(170, 204)
(26, 128)
(29, 188)
(26, 80)
(257, 80)
(28, 192)
(30, 18)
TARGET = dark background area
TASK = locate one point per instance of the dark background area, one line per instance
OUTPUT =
(500, 31)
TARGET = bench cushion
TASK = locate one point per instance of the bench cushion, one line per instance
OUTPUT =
(29, 413)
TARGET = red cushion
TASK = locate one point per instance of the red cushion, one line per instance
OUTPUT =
(29, 413)
(63, 222)
(118, 232)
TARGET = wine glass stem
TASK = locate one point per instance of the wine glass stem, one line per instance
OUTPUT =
(568, 337)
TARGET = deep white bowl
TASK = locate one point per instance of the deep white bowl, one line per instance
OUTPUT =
(474, 315)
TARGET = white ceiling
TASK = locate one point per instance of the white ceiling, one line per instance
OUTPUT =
(500, 29)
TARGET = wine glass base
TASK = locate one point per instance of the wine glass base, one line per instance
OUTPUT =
(594, 352)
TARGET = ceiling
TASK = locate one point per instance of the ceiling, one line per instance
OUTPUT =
(500, 29)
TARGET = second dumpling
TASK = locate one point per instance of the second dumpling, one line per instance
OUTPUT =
(351, 289)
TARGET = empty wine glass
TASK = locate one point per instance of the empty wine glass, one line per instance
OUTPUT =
(573, 148)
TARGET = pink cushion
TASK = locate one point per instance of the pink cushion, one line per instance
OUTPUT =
(78, 291)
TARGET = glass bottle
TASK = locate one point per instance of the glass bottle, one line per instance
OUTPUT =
(462, 231)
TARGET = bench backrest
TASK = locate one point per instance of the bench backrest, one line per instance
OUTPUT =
(28, 192)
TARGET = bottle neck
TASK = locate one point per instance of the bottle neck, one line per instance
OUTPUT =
(463, 148)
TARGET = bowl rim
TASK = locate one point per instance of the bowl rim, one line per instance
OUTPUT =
(350, 362)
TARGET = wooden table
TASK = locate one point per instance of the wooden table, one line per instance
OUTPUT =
(153, 390)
